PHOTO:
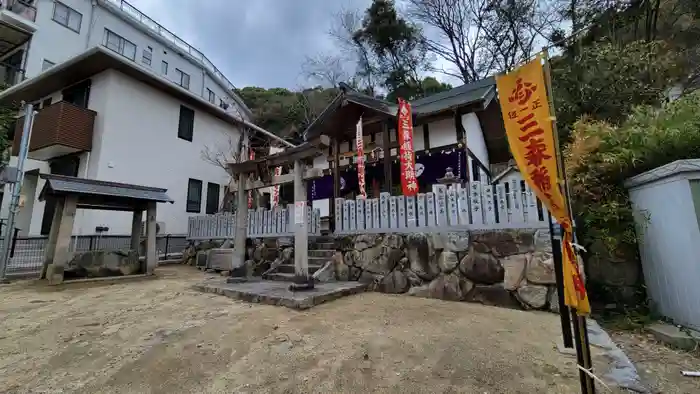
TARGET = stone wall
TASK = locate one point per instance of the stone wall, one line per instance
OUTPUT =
(511, 268)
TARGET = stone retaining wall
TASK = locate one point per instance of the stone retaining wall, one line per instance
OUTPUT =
(511, 268)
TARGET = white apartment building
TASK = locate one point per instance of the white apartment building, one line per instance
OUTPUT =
(120, 98)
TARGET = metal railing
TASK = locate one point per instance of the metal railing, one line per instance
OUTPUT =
(27, 252)
(154, 26)
(21, 8)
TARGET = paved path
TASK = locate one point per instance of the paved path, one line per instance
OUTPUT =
(161, 336)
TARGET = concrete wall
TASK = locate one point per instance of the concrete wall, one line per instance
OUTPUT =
(131, 145)
(57, 43)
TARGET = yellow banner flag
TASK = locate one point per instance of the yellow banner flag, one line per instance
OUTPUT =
(528, 122)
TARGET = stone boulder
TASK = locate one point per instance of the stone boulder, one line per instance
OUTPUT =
(379, 259)
(287, 255)
(494, 295)
(532, 296)
(451, 287)
(395, 282)
(102, 263)
(366, 241)
(188, 255)
(419, 291)
(452, 242)
(514, 270)
(447, 261)
(540, 269)
(553, 299)
(503, 243)
(342, 271)
(422, 256)
(481, 268)
(413, 279)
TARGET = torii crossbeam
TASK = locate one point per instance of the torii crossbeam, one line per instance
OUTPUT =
(240, 173)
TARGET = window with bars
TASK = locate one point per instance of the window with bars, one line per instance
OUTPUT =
(120, 45)
(147, 56)
(212, 96)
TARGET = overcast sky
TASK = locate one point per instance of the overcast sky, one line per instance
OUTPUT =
(253, 42)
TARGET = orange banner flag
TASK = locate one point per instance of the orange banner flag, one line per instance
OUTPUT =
(528, 122)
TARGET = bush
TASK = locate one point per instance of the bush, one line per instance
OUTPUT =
(601, 157)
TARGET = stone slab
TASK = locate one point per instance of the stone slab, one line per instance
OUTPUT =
(682, 338)
(278, 293)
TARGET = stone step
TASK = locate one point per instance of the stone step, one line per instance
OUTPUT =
(289, 268)
(281, 277)
(325, 253)
(322, 238)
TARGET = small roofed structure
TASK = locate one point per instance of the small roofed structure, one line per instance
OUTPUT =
(71, 193)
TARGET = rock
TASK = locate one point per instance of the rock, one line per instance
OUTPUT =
(342, 271)
(393, 241)
(532, 296)
(102, 263)
(380, 259)
(494, 295)
(258, 253)
(394, 283)
(287, 255)
(403, 263)
(450, 287)
(244, 271)
(227, 244)
(188, 255)
(553, 299)
(481, 268)
(514, 270)
(365, 241)
(372, 279)
(455, 242)
(540, 269)
(502, 243)
(413, 279)
(481, 248)
(543, 241)
(325, 273)
(447, 261)
(421, 256)
(419, 291)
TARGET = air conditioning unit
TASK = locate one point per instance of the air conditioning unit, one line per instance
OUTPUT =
(160, 228)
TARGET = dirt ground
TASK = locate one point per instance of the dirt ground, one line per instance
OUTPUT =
(658, 365)
(161, 336)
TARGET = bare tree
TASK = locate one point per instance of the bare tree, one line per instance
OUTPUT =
(233, 151)
(328, 70)
(480, 37)
(353, 50)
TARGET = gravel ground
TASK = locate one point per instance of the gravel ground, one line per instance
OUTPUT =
(161, 336)
(658, 365)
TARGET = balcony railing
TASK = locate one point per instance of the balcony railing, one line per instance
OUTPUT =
(21, 8)
(168, 35)
(58, 129)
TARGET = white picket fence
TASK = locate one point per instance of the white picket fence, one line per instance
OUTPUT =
(477, 206)
(261, 223)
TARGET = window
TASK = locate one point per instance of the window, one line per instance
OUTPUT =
(66, 16)
(212, 96)
(47, 65)
(147, 56)
(46, 102)
(194, 196)
(185, 128)
(183, 79)
(164, 67)
(212, 198)
(78, 94)
(120, 45)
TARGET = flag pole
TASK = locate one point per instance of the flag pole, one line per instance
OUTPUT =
(583, 349)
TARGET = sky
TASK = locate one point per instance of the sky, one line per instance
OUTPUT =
(253, 42)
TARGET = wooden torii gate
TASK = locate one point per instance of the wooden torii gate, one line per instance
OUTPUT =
(241, 172)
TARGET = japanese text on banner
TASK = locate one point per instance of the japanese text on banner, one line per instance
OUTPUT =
(276, 189)
(251, 156)
(360, 158)
(523, 97)
(407, 158)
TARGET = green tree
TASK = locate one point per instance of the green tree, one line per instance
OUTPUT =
(606, 83)
(397, 46)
